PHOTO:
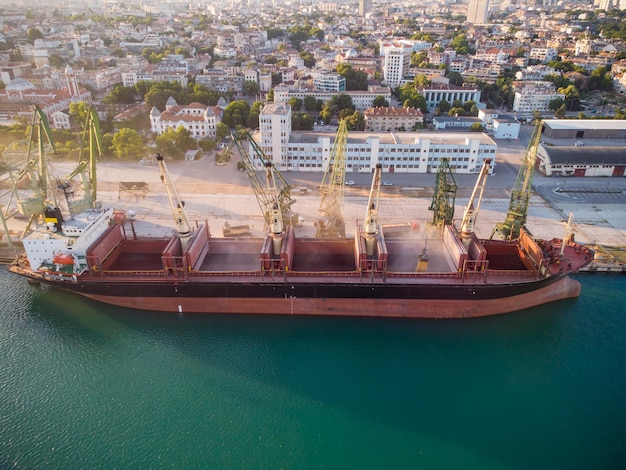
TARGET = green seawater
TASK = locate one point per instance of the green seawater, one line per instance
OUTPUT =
(87, 386)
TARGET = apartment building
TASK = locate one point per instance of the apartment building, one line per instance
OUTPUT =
(534, 96)
(436, 93)
(221, 81)
(275, 127)
(543, 54)
(330, 82)
(132, 78)
(381, 119)
(361, 100)
(403, 152)
(396, 62)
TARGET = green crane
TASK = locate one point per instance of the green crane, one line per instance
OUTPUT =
(520, 194)
(266, 198)
(330, 222)
(442, 204)
(36, 169)
(86, 167)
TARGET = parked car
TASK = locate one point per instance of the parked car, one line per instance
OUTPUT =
(349, 183)
(387, 183)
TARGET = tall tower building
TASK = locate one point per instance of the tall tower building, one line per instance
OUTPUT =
(396, 63)
(365, 6)
(477, 11)
(275, 127)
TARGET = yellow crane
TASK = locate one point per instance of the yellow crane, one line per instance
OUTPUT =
(330, 222)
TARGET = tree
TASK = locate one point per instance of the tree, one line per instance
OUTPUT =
(295, 103)
(277, 78)
(560, 113)
(302, 122)
(127, 143)
(236, 114)
(221, 131)
(55, 60)
(460, 45)
(355, 121)
(341, 101)
(601, 79)
(559, 80)
(317, 33)
(455, 112)
(468, 105)
(410, 97)
(326, 114)
(572, 96)
(556, 104)
(476, 127)
(120, 95)
(455, 78)
(250, 88)
(421, 81)
(253, 117)
(310, 103)
(355, 79)
(175, 143)
(79, 111)
(33, 34)
(418, 59)
(380, 102)
(207, 145)
(443, 107)
(307, 57)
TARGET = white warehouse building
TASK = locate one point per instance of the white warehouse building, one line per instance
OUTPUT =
(402, 152)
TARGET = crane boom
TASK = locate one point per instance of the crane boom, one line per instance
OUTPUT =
(471, 210)
(442, 204)
(265, 198)
(330, 222)
(370, 224)
(37, 169)
(176, 204)
(86, 167)
(520, 194)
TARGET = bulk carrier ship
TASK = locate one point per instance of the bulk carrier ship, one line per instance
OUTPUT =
(380, 271)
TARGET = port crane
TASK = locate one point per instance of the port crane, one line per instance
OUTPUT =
(265, 197)
(442, 204)
(370, 224)
(177, 205)
(471, 210)
(330, 222)
(42, 195)
(277, 225)
(520, 194)
(86, 167)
